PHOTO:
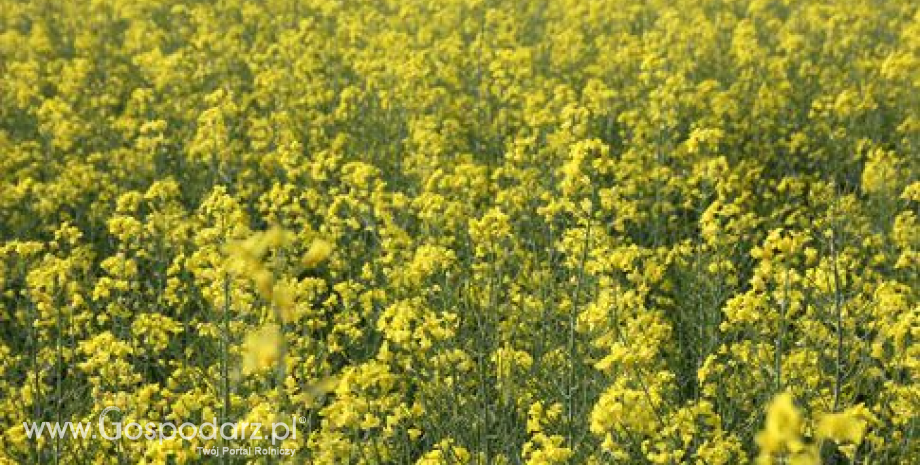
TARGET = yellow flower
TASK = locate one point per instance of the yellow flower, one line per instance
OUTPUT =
(319, 251)
(781, 432)
(262, 349)
(843, 427)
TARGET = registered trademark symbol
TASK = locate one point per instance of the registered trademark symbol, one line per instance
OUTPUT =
(302, 420)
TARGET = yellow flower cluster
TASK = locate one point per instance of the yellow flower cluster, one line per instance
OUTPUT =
(782, 440)
(464, 231)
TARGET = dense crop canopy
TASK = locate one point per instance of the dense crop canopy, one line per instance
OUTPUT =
(463, 231)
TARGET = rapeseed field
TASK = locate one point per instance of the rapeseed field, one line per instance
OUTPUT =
(460, 231)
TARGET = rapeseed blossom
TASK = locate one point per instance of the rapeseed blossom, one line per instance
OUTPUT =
(261, 351)
(460, 231)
